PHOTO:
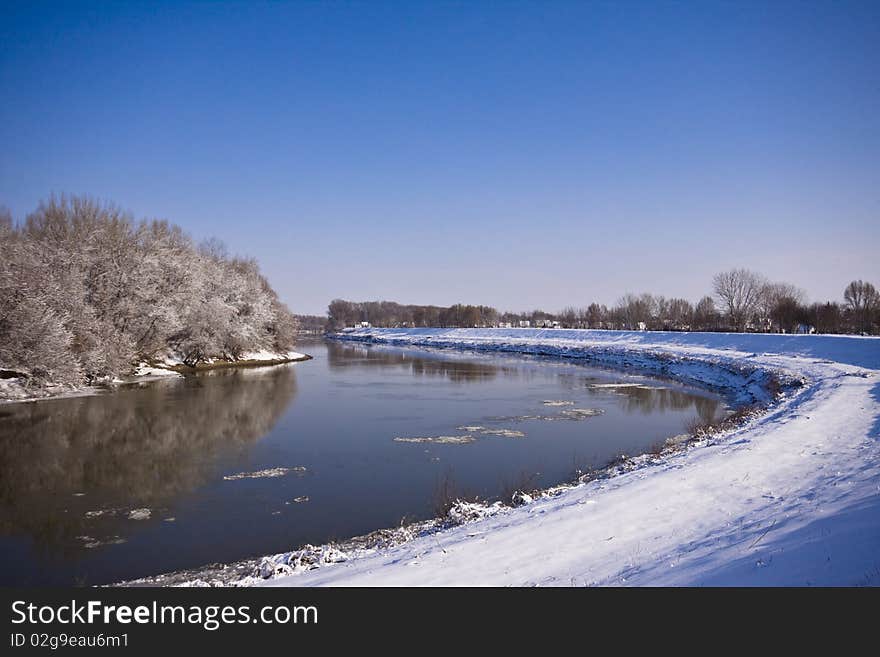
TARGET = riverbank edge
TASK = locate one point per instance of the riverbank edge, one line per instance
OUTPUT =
(757, 391)
(223, 364)
(158, 371)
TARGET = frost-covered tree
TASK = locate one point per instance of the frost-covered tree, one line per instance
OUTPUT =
(86, 292)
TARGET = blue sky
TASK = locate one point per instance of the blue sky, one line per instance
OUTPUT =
(520, 154)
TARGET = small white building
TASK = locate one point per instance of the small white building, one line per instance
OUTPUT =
(524, 323)
(505, 325)
(363, 325)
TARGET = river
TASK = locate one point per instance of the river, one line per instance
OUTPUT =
(229, 464)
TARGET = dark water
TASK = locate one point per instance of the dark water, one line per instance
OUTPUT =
(77, 474)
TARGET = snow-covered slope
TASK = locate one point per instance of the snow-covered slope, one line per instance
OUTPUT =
(792, 497)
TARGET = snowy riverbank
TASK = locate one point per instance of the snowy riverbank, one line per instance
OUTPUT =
(792, 497)
(16, 389)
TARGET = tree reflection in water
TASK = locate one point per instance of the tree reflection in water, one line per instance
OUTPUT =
(650, 399)
(139, 447)
(343, 356)
(634, 398)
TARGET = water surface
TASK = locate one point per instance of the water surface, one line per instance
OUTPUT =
(160, 476)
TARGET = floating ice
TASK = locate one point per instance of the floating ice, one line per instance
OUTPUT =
(89, 542)
(441, 440)
(506, 433)
(613, 386)
(566, 414)
(581, 413)
(265, 474)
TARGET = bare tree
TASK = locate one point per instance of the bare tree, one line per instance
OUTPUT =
(777, 300)
(863, 301)
(705, 315)
(596, 316)
(826, 317)
(679, 315)
(739, 291)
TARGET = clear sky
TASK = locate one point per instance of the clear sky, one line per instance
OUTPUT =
(519, 154)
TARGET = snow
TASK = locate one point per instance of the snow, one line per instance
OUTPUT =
(13, 389)
(440, 440)
(792, 497)
(17, 390)
(271, 355)
(269, 473)
(145, 370)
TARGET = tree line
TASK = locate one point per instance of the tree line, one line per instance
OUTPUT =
(87, 292)
(741, 300)
(342, 313)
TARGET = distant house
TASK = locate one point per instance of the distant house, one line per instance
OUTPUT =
(643, 326)
(547, 323)
(505, 325)
(363, 325)
(524, 323)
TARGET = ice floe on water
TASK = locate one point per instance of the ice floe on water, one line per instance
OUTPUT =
(565, 414)
(615, 386)
(266, 474)
(504, 433)
(140, 513)
(557, 402)
(581, 413)
(441, 440)
(89, 542)
(299, 500)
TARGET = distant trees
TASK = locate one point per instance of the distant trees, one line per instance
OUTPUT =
(746, 301)
(826, 317)
(706, 317)
(679, 315)
(342, 313)
(314, 324)
(86, 292)
(863, 302)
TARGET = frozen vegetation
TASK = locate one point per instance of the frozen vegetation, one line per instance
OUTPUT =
(88, 295)
(788, 495)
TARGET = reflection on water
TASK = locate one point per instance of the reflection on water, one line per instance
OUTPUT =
(225, 465)
(352, 356)
(645, 398)
(73, 467)
(652, 399)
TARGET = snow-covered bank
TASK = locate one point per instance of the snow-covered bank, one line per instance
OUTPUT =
(791, 497)
(17, 388)
(173, 364)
